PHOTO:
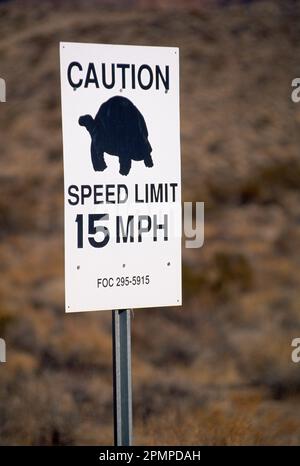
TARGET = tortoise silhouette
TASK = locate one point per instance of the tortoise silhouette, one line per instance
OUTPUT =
(118, 129)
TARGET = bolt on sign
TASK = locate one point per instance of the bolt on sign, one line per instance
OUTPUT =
(121, 140)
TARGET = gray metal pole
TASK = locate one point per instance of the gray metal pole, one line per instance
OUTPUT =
(122, 390)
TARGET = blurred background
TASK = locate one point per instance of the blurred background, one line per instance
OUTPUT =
(217, 371)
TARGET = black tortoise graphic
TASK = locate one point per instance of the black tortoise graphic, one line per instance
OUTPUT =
(118, 129)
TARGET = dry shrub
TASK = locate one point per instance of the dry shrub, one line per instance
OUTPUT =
(225, 275)
(241, 419)
(6, 318)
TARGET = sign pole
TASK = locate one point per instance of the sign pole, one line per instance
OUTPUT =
(122, 390)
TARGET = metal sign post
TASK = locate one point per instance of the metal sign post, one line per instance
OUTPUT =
(122, 390)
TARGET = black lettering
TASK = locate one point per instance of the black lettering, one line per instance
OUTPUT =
(160, 226)
(91, 76)
(141, 228)
(136, 188)
(73, 84)
(122, 187)
(156, 193)
(125, 234)
(110, 193)
(86, 192)
(133, 76)
(165, 79)
(123, 68)
(102, 229)
(150, 82)
(98, 194)
(173, 186)
(72, 188)
(113, 76)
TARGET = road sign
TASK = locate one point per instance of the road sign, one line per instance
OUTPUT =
(121, 137)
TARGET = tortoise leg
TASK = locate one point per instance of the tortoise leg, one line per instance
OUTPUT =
(97, 159)
(125, 165)
(148, 160)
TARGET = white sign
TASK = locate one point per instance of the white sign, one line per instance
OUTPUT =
(121, 137)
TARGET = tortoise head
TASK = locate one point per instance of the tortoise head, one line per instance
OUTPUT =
(88, 122)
